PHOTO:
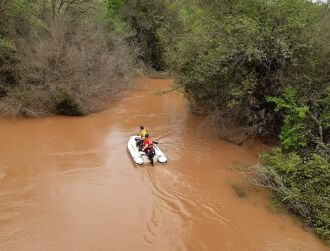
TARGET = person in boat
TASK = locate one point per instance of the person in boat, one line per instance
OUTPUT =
(147, 144)
(148, 148)
(142, 135)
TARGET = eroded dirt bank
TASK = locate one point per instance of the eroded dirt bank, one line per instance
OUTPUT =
(69, 184)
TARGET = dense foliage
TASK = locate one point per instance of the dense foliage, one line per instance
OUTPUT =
(262, 68)
(232, 55)
(303, 184)
(299, 174)
(141, 22)
(56, 56)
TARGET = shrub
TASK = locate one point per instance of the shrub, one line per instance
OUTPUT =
(293, 131)
(142, 21)
(239, 190)
(231, 55)
(16, 21)
(66, 104)
(306, 121)
(274, 205)
(26, 100)
(70, 50)
(8, 61)
(302, 184)
(92, 65)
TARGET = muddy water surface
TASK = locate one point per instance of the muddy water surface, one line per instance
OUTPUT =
(69, 184)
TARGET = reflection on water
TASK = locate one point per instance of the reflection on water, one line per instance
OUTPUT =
(69, 184)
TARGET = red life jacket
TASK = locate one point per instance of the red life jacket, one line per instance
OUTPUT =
(148, 142)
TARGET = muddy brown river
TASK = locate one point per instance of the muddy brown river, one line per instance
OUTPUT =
(69, 184)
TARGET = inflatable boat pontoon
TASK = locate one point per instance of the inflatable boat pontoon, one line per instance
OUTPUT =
(141, 157)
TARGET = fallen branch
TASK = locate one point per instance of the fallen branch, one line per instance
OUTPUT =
(160, 93)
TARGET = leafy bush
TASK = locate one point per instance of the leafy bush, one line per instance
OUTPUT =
(293, 131)
(302, 184)
(142, 21)
(305, 120)
(231, 55)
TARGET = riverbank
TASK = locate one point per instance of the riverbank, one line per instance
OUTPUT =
(62, 58)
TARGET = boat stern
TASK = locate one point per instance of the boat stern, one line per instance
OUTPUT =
(138, 160)
(162, 159)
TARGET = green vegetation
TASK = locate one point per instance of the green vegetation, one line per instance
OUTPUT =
(262, 67)
(231, 56)
(142, 21)
(302, 184)
(299, 174)
(274, 205)
(239, 190)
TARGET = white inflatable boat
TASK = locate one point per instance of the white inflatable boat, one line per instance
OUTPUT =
(141, 157)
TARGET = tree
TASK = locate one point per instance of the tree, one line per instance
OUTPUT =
(232, 55)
